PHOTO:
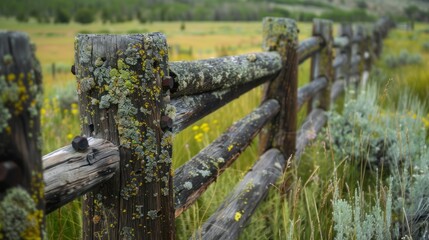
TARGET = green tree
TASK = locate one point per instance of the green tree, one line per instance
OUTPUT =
(84, 16)
(62, 16)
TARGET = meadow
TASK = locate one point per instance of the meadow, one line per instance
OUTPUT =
(319, 178)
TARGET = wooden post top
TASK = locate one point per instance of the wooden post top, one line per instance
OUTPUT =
(346, 30)
(323, 28)
(277, 32)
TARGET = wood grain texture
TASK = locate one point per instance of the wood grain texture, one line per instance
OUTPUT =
(339, 61)
(232, 215)
(121, 100)
(308, 47)
(321, 63)
(359, 60)
(341, 42)
(281, 35)
(21, 179)
(193, 178)
(190, 109)
(342, 71)
(337, 88)
(194, 77)
(69, 174)
(309, 90)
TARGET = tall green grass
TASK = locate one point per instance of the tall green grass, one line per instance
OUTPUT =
(305, 211)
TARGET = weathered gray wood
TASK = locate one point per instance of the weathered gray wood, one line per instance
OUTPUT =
(341, 42)
(231, 217)
(190, 109)
(337, 88)
(321, 63)
(369, 54)
(309, 129)
(281, 35)
(306, 92)
(308, 47)
(343, 70)
(121, 99)
(193, 178)
(356, 62)
(193, 77)
(69, 174)
(359, 49)
(21, 180)
(339, 61)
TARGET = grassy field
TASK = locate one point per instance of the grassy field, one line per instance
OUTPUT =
(307, 211)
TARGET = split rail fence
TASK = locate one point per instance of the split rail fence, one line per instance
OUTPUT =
(132, 101)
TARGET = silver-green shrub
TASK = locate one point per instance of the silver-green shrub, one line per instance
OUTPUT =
(404, 58)
(389, 140)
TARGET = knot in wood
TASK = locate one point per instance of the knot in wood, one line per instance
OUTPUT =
(166, 122)
(167, 83)
(73, 70)
(10, 174)
(80, 144)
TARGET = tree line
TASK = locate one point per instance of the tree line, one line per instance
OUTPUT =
(87, 11)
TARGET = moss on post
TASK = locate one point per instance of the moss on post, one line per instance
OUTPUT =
(21, 179)
(121, 99)
(281, 35)
(321, 63)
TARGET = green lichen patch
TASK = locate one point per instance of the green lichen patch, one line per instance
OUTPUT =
(126, 99)
(7, 59)
(277, 33)
(19, 217)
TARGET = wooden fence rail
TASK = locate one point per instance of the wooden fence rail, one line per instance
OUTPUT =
(132, 101)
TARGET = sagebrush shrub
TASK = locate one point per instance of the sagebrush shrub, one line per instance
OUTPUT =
(393, 141)
(404, 58)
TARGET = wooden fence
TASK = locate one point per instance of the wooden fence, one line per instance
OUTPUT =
(132, 101)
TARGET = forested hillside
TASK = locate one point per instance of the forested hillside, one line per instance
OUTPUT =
(85, 11)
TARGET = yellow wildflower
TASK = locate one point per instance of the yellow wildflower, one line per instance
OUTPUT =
(69, 136)
(74, 109)
(195, 128)
(205, 127)
(237, 216)
(198, 137)
(230, 147)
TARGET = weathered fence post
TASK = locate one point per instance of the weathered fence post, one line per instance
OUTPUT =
(360, 53)
(378, 40)
(123, 99)
(369, 49)
(321, 64)
(346, 30)
(21, 178)
(368, 54)
(281, 35)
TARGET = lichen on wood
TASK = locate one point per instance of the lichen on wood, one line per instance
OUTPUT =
(20, 140)
(200, 76)
(189, 109)
(192, 178)
(229, 220)
(281, 35)
(124, 104)
(321, 63)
